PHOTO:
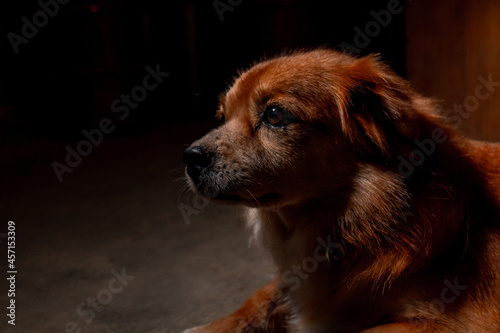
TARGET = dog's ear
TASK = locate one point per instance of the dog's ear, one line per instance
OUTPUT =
(377, 113)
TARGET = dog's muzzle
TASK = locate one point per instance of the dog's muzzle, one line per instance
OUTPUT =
(196, 159)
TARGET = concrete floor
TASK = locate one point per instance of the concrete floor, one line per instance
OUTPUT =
(117, 214)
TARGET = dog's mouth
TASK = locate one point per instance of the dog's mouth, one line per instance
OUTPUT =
(218, 184)
(246, 197)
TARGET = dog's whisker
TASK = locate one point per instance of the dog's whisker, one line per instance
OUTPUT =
(183, 191)
(257, 201)
(179, 179)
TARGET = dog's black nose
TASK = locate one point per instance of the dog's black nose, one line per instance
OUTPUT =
(196, 159)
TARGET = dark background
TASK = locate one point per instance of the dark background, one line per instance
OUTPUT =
(124, 204)
(66, 77)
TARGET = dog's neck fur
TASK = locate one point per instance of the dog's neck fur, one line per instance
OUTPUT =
(364, 221)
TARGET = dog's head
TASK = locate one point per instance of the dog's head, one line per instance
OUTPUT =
(298, 126)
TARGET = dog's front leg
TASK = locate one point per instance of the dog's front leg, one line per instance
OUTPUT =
(265, 312)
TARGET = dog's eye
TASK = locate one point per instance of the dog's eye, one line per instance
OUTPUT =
(276, 116)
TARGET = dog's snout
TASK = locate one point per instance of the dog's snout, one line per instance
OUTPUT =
(196, 159)
(197, 156)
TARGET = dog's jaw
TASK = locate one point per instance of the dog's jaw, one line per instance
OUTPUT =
(243, 198)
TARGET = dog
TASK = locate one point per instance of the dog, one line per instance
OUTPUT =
(379, 215)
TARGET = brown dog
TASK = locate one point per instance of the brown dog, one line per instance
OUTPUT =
(379, 216)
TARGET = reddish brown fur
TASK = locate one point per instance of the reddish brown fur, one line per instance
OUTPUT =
(333, 172)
